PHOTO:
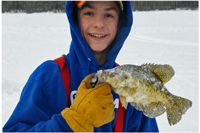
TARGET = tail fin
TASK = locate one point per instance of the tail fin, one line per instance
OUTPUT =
(179, 107)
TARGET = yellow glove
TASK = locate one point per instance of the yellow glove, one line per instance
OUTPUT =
(92, 107)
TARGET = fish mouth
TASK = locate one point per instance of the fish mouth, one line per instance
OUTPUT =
(102, 76)
(99, 77)
(94, 81)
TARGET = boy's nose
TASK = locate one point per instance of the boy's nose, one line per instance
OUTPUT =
(98, 22)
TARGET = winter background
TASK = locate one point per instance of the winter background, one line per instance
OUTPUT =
(162, 37)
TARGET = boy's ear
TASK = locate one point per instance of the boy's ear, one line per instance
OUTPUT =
(121, 18)
(119, 23)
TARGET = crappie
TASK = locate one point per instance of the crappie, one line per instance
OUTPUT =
(143, 87)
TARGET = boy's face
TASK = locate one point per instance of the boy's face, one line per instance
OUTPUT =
(98, 23)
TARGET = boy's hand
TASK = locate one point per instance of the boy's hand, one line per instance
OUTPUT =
(92, 107)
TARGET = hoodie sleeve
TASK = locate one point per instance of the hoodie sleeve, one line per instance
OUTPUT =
(42, 99)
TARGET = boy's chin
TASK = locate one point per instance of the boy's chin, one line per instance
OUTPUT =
(99, 51)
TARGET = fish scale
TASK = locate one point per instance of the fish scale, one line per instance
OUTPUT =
(143, 87)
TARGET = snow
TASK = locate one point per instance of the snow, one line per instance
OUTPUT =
(162, 37)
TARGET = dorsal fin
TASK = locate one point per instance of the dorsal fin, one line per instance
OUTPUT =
(163, 72)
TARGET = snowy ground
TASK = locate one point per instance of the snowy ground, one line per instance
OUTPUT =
(163, 37)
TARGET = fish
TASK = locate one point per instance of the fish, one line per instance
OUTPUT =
(143, 87)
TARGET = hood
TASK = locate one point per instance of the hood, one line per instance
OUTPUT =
(80, 59)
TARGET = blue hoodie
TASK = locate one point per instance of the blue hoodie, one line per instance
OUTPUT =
(43, 97)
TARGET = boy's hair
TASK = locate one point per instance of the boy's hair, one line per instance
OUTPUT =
(75, 14)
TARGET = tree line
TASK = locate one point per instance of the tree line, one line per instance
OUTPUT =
(164, 5)
(59, 6)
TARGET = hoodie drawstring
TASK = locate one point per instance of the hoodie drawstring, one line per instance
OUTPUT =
(88, 67)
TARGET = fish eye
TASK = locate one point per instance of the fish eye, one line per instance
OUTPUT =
(125, 77)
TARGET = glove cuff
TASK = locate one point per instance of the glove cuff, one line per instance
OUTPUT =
(76, 121)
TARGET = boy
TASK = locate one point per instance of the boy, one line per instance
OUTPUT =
(98, 30)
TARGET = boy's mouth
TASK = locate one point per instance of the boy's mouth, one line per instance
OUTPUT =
(97, 35)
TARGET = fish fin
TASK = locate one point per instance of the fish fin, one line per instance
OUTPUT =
(179, 107)
(150, 110)
(123, 101)
(137, 106)
(154, 109)
(163, 72)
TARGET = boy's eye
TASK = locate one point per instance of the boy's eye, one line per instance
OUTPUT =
(109, 16)
(88, 13)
